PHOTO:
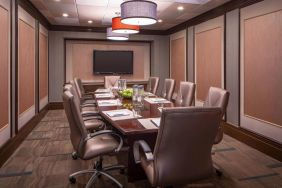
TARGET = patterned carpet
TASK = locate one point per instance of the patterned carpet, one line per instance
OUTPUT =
(44, 160)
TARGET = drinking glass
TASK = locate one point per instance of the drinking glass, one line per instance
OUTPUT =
(136, 112)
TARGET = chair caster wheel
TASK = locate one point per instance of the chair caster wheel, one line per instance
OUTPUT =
(74, 155)
(72, 180)
(219, 173)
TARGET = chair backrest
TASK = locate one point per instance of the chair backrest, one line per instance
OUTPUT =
(185, 95)
(153, 84)
(217, 97)
(67, 87)
(111, 81)
(78, 132)
(168, 88)
(182, 153)
(79, 87)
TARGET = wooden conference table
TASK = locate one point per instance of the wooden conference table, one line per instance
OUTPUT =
(132, 130)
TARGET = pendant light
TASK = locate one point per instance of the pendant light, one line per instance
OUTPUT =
(138, 12)
(116, 36)
(118, 27)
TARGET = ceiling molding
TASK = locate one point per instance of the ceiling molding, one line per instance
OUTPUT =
(33, 11)
(100, 29)
(218, 11)
(213, 13)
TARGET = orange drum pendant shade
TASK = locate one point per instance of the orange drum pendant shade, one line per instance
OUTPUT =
(119, 27)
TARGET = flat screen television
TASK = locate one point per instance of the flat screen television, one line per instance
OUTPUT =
(112, 62)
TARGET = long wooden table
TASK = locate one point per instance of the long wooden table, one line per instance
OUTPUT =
(132, 130)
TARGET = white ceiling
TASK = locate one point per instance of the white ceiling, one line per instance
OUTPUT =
(102, 11)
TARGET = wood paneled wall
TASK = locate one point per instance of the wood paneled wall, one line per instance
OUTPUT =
(26, 66)
(4, 67)
(79, 59)
(209, 53)
(261, 69)
(178, 57)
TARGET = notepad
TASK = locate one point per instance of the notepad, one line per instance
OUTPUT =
(104, 95)
(119, 114)
(156, 100)
(109, 102)
(149, 123)
(156, 121)
(102, 91)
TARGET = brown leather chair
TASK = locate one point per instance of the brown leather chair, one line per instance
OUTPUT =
(86, 98)
(153, 84)
(217, 97)
(89, 146)
(91, 118)
(182, 152)
(111, 81)
(185, 95)
(168, 89)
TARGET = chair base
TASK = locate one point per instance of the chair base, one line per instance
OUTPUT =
(97, 172)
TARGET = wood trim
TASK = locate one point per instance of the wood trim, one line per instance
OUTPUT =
(55, 106)
(100, 29)
(33, 11)
(216, 12)
(10, 147)
(267, 146)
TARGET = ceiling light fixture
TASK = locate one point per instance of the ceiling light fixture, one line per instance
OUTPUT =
(90, 21)
(180, 8)
(65, 15)
(116, 36)
(118, 27)
(138, 12)
(160, 20)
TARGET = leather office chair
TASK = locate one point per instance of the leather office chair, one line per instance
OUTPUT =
(89, 146)
(168, 89)
(153, 84)
(86, 98)
(91, 118)
(111, 81)
(182, 152)
(185, 95)
(217, 97)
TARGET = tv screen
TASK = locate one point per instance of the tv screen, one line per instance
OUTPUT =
(112, 62)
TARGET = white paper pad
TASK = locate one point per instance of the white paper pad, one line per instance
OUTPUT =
(102, 91)
(109, 102)
(149, 94)
(156, 100)
(104, 95)
(119, 114)
(150, 123)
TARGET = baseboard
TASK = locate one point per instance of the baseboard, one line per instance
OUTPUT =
(8, 149)
(267, 146)
(55, 106)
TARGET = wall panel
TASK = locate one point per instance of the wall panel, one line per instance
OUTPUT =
(261, 69)
(4, 72)
(43, 68)
(209, 57)
(79, 59)
(178, 58)
(232, 66)
(26, 68)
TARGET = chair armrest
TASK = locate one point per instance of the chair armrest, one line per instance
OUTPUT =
(92, 135)
(146, 149)
(87, 118)
(89, 113)
(88, 105)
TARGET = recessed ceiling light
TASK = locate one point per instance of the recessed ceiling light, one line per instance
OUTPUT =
(65, 15)
(57, 0)
(160, 20)
(90, 21)
(180, 8)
